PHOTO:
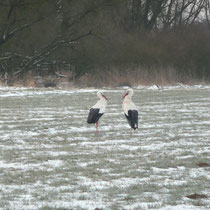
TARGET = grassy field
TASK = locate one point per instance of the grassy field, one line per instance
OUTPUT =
(51, 159)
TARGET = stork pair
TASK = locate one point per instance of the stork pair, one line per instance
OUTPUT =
(130, 110)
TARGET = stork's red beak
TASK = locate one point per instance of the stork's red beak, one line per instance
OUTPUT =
(105, 97)
(125, 95)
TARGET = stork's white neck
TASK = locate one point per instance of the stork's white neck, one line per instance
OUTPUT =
(101, 104)
(102, 99)
(128, 97)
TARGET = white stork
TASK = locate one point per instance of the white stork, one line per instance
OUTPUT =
(130, 110)
(97, 110)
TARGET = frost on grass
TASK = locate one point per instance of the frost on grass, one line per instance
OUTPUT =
(51, 159)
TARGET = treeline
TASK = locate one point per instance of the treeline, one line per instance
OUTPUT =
(170, 38)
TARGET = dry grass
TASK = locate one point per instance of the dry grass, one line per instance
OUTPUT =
(108, 77)
(197, 196)
(137, 76)
(202, 164)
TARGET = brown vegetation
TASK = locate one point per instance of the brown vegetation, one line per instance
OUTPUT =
(135, 76)
(197, 196)
(202, 164)
(105, 42)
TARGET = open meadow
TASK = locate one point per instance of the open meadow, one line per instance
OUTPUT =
(50, 157)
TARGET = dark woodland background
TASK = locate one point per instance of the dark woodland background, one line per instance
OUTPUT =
(105, 41)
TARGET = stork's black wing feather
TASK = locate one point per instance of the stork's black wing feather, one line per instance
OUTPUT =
(94, 115)
(132, 118)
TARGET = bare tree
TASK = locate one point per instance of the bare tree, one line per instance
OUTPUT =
(13, 22)
(182, 12)
(150, 14)
(207, 13)
(145, 13)
(71, 17)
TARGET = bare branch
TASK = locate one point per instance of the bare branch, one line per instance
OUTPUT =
(50, 48)
(84, 14)
(10, 34)
(207, 12)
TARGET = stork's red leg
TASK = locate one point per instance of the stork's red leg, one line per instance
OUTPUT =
(131, 132)
(97, 128)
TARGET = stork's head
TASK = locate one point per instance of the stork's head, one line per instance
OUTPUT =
(128, 93)
(101, 95)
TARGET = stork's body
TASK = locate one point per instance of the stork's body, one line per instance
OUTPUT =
(97, 110)
(130, 109)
